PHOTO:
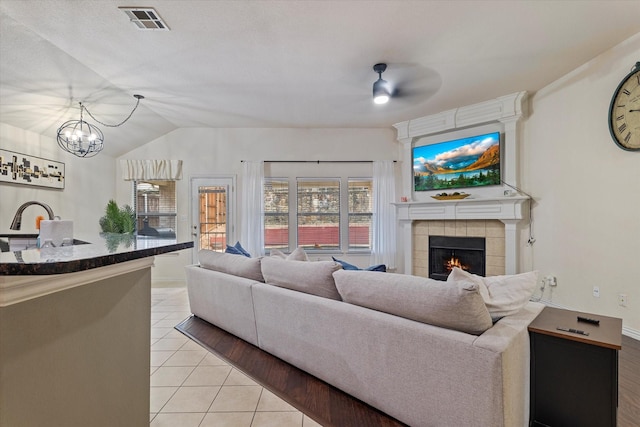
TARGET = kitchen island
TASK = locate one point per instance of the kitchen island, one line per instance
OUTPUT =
(75, 333)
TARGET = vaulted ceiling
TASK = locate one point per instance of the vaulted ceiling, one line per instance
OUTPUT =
(285, 63)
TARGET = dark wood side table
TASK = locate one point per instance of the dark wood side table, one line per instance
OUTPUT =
(574, 377)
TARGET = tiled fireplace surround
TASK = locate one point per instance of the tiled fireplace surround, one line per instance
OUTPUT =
(491, 230)
(490, 213)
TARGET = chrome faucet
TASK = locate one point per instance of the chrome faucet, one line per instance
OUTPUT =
(17, 220)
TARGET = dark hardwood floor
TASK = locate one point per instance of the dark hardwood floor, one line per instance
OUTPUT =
(324, 403)
(332, 407)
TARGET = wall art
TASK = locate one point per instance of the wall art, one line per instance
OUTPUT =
(17, 168)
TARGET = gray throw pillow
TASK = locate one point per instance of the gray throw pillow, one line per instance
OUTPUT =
(456, 306)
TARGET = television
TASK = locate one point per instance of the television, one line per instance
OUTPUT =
(460, 163)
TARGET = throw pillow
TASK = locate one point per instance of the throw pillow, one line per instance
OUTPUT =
(503, 295)
(456, 306)
(237, 249)
(231, 264)
(345, 265)
(309, 277)
(298, 254)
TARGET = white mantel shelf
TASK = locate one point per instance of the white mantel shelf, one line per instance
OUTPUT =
(505, 209)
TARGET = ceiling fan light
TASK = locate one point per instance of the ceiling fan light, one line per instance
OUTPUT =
(381, 92)
(381, 99)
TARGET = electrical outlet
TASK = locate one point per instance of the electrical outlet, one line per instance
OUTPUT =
(622, 300)
(596, 291)
(551, 281)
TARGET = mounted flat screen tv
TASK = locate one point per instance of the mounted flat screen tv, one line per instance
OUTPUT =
(460, 163)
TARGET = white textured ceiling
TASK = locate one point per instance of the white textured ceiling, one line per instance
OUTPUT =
(285, 63)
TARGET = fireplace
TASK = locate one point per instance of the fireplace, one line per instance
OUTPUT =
(447, 252)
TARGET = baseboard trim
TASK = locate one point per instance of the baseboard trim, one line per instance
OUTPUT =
(630, 332)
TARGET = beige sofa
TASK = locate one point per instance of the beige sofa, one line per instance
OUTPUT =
(419, 373)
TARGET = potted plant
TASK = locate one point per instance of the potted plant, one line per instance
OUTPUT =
(118, 225)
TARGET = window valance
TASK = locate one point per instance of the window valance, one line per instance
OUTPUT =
(138, 170)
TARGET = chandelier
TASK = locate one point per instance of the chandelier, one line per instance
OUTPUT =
(83, 139)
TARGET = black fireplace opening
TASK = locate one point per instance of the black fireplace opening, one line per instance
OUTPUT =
(447, 252)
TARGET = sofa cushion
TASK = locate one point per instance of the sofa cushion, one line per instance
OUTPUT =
(456, 305)
(298, 254)
(231, 264)
(503, 295)
(309, 277)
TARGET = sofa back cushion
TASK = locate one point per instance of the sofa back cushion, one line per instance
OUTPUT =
(231, 264)
(456, 306)
(310, 277)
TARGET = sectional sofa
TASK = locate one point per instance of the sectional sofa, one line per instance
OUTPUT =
(428, 353)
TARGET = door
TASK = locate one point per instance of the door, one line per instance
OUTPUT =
(212, 208)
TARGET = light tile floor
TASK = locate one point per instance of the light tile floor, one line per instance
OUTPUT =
(191, 387)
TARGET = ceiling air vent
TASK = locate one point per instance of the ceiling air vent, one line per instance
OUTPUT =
(145, 18)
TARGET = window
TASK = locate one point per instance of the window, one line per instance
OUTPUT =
(330, 214)
(360, 213)
(276, 213)
(319, 214)
(155, 207)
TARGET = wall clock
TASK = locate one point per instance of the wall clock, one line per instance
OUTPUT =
(624, 112)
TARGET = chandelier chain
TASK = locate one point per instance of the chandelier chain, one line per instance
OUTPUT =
(106, 124)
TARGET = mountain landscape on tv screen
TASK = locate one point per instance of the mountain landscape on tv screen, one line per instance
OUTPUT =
(469, 162)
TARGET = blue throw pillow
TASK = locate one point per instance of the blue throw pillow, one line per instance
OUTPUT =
(379, 267)
(237, 249)
(347, 266)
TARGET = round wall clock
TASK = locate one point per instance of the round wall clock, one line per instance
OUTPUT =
(624, 112)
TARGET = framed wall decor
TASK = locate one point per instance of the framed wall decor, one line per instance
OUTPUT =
(17, 168)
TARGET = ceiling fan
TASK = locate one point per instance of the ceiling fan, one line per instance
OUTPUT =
(408, 81)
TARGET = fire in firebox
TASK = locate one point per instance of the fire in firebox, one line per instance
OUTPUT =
(447, 252)
(455, 262)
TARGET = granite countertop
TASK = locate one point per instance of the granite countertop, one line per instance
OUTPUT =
(103, 250)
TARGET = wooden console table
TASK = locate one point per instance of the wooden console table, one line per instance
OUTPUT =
(574, 377)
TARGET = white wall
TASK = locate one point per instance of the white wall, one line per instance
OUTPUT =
(218, 152)
(586, 190)
(89, 186)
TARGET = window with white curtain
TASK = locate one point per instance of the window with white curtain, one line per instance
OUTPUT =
(328, 214)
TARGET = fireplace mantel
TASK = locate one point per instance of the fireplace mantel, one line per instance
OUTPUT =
(501, 208)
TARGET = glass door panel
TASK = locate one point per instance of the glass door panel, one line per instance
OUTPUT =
(212, 203)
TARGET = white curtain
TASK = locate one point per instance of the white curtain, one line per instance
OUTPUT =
(383, 249)
(252, 222)
(143, 170)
